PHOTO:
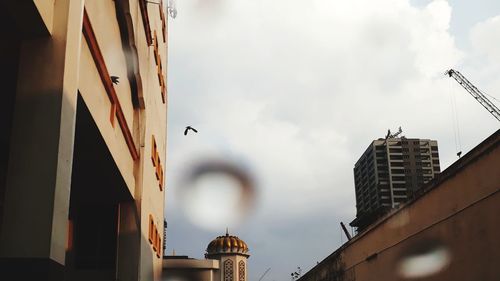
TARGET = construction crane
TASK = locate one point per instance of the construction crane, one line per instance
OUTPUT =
(475, 92)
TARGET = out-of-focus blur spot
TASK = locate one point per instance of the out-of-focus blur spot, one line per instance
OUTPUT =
(424, 259)
(217, 194)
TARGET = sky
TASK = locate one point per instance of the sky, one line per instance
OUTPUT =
(293, 92)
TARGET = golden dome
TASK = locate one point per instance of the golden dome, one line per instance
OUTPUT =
(227, 244)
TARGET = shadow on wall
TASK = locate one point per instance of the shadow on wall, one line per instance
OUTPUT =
(101, 208)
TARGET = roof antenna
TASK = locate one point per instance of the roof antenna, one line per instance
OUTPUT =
(227, 231)
(345, 231)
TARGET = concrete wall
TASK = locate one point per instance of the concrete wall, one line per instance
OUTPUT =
(190, 269)
(455, 221)
(46, 10)
(144, 121)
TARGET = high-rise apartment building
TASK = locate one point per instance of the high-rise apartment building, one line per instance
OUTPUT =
(389, 172)
(83, 130)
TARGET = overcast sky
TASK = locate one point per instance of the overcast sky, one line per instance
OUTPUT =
(295, 91)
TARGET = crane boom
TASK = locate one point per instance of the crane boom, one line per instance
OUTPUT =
(475, 92)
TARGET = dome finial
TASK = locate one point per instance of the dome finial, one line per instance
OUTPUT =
(226, 244)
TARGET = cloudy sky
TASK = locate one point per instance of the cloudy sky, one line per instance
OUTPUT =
(294, 91)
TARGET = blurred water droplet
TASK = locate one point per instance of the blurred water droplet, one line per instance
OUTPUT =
(217, 194)
(424, 259)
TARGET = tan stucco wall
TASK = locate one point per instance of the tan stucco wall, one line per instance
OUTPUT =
(58, 66)
(97, 101)
(103, 17)
(461, 213)
(144, 122)
(46, 10)
(151, 120)
(42, 137)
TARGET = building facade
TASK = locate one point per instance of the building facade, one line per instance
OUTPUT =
(389, 172)
(83, 139)
(449, 231)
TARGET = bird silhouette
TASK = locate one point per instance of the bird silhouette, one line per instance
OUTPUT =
(189, 128)
(114, 79)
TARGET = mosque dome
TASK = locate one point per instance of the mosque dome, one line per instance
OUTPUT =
(227, 244)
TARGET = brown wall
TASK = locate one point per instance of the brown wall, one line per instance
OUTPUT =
(458, 213)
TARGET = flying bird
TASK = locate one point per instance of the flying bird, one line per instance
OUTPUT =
(189, 128)
(114, 79)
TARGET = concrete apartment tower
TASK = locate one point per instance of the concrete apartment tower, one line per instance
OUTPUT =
(83, 121)
(389, 173)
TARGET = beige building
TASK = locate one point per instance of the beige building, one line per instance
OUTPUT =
(450, 231)
(83, 140)
(225, 260)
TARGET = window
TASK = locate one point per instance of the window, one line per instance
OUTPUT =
(158, 252)
(163, 22)
(161, 78)
(154, 152)
(155, 240)
(155, 48)
(161, 180)
(241, 271)
(155, 157)
(398, 178)
(158, 168)
(228, 270)
(151, 229)
(397, 171)
(145, 20)
(400, 192)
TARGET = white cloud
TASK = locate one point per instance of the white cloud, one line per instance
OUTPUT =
(298, 89)
(485, 37)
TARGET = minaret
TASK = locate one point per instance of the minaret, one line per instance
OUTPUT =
(232, 253)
